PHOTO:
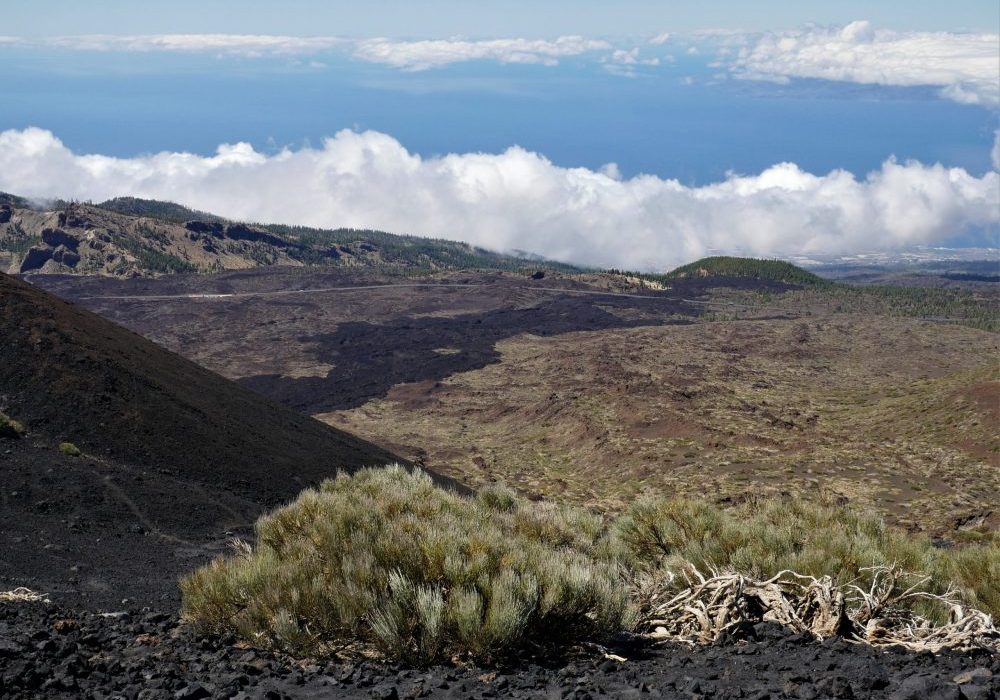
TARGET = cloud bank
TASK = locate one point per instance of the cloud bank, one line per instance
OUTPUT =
(520, 200)
(239, 44)
(407, 55)
(422, 55)
(965, 66)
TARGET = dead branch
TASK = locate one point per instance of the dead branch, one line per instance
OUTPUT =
(694, 608)
(23, 595)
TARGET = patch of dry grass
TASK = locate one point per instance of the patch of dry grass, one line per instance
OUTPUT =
(891, 414)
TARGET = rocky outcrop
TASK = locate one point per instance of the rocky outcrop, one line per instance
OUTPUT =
(72, 218)
(212, 228)
(6, 213)
(56, 237)
(66, 256)
(242, 232)
(35, 258)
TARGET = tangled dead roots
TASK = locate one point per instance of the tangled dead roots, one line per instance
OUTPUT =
(694, 608)
(22, 595)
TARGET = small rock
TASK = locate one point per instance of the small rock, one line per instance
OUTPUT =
(193, 691)
(385, 693)
(976, 692)
(8, 647)
(976, 675)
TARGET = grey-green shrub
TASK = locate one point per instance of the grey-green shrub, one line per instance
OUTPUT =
(764, 536)
(10, 428)
(387, 558)
(68, 448)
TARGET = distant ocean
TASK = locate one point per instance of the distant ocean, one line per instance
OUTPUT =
(575, 114)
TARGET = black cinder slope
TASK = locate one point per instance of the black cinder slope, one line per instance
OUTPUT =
(74, 376)
(173, 455)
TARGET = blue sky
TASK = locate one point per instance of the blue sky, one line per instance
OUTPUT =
(806, 128)
(440, 18)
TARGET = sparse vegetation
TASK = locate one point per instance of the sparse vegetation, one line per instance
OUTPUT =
(755, 268)
(68, 448)
(403, 250)
(154, 260)
(387, 559)
(763, 537)
(976, 308)
(10, 428)
(154, 209)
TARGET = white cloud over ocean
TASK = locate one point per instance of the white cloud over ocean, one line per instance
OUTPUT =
(238, 44)
(422, 55)
(405, 55)
(518, 199)
(965, 66)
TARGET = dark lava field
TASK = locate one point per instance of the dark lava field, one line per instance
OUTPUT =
(106, 534)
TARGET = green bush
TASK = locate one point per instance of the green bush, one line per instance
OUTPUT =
(387, 558)
(68, 448)
(10, 428)
(764, 536)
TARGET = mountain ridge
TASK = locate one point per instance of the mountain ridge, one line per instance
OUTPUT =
(130, 237)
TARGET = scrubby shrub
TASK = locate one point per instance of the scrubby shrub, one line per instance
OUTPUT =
(10, 428)
(765, 536)
(68, 448)
(387, 558)
(975, 571)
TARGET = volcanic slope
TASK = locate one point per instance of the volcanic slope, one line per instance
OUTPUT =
(173, 458)
(128, 237)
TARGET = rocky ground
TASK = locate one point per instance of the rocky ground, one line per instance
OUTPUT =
(47, 651)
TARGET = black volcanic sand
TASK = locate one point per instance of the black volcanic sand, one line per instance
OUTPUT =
(50, 652)
(175, 458)
(71, 375)
(93, 532)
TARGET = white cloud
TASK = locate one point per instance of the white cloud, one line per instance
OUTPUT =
(965, 66)
(407, 55)
(519, 200)
(624, 62)
(244, 44)
(422, 55)
(660, 39)
(995, 153)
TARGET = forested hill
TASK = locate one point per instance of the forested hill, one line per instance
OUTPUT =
(128, 237)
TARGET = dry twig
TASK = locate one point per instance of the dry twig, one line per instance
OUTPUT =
(23, 595)
(701, 609)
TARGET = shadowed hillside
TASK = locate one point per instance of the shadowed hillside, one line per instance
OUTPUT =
(71, 375)
(134, 462)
